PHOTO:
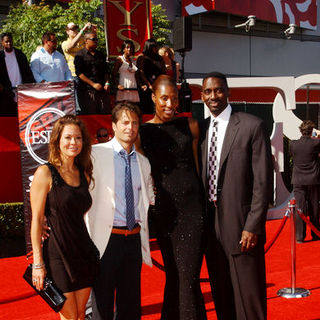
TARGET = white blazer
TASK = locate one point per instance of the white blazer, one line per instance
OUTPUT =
(100, 217)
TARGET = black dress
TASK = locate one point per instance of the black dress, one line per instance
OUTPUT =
(70, 256)
(152, 67)
(178, 215)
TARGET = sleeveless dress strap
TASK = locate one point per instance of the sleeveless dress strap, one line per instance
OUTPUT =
(56, 178)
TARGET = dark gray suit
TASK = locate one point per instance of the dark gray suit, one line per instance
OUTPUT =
(306, 181)
(244, 190)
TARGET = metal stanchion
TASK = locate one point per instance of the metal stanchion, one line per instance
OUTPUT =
(293, 292)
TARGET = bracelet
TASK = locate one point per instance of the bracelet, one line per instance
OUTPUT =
(81, 31)
(107, 84)
(38, 266)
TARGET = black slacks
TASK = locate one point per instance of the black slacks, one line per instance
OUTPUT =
(307, 198)
(238, 281)
(119, 280)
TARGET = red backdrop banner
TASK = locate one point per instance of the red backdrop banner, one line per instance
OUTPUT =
(127, 19)
(303, 13)
(39, 105)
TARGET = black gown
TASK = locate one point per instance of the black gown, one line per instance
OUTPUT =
(71, 258)
(178, 215)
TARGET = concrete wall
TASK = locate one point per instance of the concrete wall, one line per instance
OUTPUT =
(256, 56)
(244, 55)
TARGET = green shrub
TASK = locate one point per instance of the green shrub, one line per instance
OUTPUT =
(11, 220)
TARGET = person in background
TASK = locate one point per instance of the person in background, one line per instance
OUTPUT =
(15, 70)
(170, 143)
(60, 196)
(150, 65)
(306, 178)
(236, 170)
(102, 135)
(91, 68)
(70, 47)
(127, 74)
(47, 64)
(172, 66)
(118, 218)
(74, 43)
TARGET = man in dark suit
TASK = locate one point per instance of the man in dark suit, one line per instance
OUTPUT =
(237, 152)
(306, 178)
(15, 70)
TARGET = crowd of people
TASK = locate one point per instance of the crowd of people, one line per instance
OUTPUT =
(209, 183)
(88, 68)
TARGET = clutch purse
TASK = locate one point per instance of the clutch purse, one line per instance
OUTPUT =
(50, 293)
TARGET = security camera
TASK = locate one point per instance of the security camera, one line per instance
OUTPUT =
(248, 24)
(290, 31)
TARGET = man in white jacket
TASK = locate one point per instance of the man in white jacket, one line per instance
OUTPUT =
(117, 220)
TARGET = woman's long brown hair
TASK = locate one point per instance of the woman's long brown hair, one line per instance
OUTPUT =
(82, 160)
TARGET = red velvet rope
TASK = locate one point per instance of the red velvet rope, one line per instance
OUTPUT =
(307, 221)
(276, 235)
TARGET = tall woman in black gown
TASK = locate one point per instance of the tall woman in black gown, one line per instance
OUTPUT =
(60, 193)
(170, 144)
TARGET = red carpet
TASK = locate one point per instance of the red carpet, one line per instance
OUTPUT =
(24, 307)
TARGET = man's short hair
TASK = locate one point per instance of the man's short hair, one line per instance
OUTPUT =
(47, 37)
(125, 106)
(6, 34)
(86, 35)
(306, 127)
(216, 74)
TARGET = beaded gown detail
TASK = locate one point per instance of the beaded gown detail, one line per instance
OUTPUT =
(71, 258)
(178, 215)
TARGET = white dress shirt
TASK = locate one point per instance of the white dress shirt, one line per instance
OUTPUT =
(222, 123)
(120, 219)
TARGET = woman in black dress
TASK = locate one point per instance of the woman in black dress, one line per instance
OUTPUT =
(170, 144)
(150, 65)
(59, 194)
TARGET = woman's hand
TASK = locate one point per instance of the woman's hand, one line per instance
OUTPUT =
(120, 87)
(38, 276)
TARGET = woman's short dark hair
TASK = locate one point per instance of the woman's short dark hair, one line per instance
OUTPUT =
(163, 79)
(125, 106)
(127, 43)
(306, 127)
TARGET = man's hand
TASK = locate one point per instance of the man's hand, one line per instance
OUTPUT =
(87, 26)
(106, 86)
(97, 86)
(248, 241)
